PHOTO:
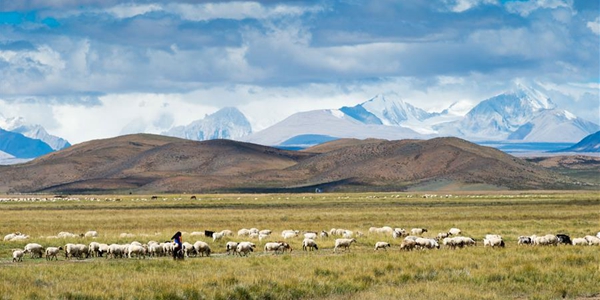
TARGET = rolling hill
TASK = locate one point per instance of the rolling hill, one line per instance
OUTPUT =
(144, 163)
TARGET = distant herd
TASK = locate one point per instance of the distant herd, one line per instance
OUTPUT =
(411, 240)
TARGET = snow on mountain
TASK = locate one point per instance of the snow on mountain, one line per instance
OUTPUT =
(391, 110)
(554, 125)
(34, 131)
(328, 122)
(227, 123)
(523, 114)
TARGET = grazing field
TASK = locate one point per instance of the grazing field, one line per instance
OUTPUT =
(516, 271)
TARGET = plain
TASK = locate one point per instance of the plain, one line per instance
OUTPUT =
(360, 273)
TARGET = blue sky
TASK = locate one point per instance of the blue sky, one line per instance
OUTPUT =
(98, 68)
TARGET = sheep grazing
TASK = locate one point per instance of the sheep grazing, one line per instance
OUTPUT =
(564, 239)
(399, 232)
(525, 240)
(217, 236)
(17, 255)
(425, 243)
(274, 247)
(592, 240)
(35, 250)
(418, 231)
(493, 241)
(324, 234)
(139, 251)
(230, 247)
(188, 249)
(454, 231)
(580, 242)
(91, 233)
(17, 236)
(155, 250)
(459, 241)
(243, 232)
(382, 245)
(408, 245)
(202, 248)
(442, 235)
(289, 235)
(64, 234)
(309, 244)
(52, 252)
(94, 248)
(310, 235)
(343, 243)
(245, 248)
(381, 230)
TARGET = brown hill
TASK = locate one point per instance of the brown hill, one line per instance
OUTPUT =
(151, 163)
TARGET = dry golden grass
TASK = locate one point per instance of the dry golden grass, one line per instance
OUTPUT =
(362, 273)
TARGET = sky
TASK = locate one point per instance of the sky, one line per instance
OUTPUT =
(89, 69)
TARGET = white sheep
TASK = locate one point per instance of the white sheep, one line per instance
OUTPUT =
(343, 243)
(35, 250)
(76, 250)
(264, 232)
(17, 255)
(580, 242)
(202, 248)
(227, 232)
(418, 231)
(427, 243)
(289, 235)
(309, 244)
(188, 249)
(592, 240)
(137, 250)
(65, 234)
(493, 241)
(197, 233)
(324, 234)
(348, 234)
(52, 252)
(17, 236)
(91, 233)
(274, 247)
(217, 236)
(382, 245)
(454, 231)
(244, 248)
(155, 250)
(243, 232)
(310, 235)
(230, 247)
(94, 248)
(408, 245)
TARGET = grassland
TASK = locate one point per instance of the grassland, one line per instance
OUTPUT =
(471, 273)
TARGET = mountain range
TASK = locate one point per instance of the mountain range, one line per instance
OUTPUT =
(20, 141)
(144, 163)
(521, 115)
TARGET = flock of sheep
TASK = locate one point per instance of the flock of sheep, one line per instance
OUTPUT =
(412, 239)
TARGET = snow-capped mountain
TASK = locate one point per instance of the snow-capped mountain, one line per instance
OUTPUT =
(327, 123)
(227, 123)
(20, 146)
(33, 131)
(524, 114)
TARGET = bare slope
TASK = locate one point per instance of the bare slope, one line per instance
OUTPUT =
(151, 163)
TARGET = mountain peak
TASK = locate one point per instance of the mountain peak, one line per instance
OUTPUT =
(536, 99)
(226, 123)
(392, 110)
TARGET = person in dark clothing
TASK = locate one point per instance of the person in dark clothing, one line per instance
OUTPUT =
(178, 250)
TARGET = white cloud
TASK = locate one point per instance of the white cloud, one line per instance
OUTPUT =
(594, 26)
(123, 11)
(524, 8)
(459, 6)
(236, 10)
